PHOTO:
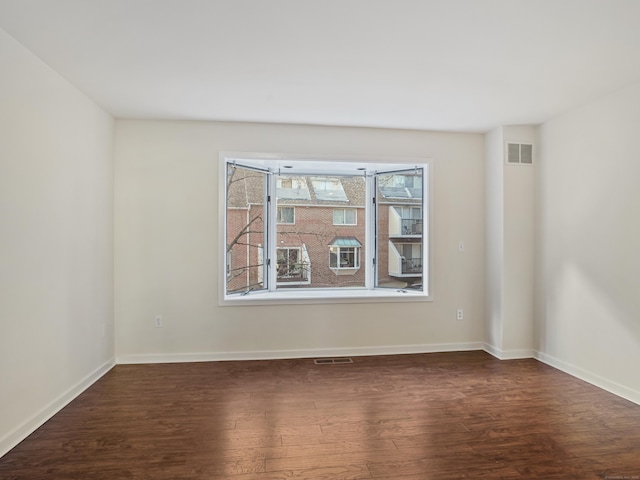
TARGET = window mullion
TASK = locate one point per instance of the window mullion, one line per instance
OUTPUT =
(370, 233)
(271, 212)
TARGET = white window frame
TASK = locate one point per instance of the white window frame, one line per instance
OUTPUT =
(338, 265)
(318, 166)
(344, 217)
(293, 209)
(297, 249)
(301, 256)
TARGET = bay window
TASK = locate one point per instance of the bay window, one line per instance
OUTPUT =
(291, 229)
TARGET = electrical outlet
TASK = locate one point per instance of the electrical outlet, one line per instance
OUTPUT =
(459, 314)
(461, 246)
(158, 321)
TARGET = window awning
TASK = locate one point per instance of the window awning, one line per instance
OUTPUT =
(345, 242)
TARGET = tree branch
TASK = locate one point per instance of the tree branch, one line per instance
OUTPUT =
(244, 231)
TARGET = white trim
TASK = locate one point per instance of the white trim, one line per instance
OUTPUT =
(300, 260)
(356, 260)
(292, 207)
(13, 438)
(344, 210)
(312, 296)
(590, 377)
(334, 165)
(350, 164)
(508, 354)
(288, 354)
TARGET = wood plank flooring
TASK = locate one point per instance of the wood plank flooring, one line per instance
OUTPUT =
(406, 417)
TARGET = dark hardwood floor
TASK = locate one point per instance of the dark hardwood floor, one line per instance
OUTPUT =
(405, 417)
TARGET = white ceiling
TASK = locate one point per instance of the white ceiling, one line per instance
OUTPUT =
(458, 65)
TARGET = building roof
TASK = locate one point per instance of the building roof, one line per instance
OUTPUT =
(345, 242)
(246, 187)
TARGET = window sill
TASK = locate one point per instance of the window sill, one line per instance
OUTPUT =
(344, 270)
(312, 296)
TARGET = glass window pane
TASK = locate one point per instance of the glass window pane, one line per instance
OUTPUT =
(344, 216)
(526, 154)
(350, 217)
(333, 257)
(286, 215)
(245, 229)
(320, 218)
(290, 265)
(399, 229)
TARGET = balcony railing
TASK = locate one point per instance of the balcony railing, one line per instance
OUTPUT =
(298, 272)
(411, 226)
(411, 265)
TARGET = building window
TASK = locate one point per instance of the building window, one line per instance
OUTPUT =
(293, 266)
(329, 189)
(344, 255)
(292, 187)
(344, 216)
(273, 246)
(286, 215)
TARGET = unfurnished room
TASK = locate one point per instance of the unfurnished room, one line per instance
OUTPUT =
(355, 239)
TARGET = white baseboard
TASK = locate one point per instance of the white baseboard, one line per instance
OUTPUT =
(590, 377)
(508, 354)
(13, 438)
(285, 354)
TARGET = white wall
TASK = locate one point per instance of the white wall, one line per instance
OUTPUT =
(56, 242)
(167, 254)
(519, 246)
(494, 205)
(588, 302)
(510, 229)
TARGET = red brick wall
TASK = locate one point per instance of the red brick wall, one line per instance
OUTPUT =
(244, 252)
(383, 244)
(314, 228)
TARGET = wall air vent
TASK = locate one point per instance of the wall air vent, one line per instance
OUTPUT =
(519, 153)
